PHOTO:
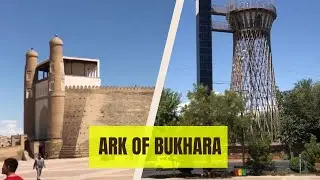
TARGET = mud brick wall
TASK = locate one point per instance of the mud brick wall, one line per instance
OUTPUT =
(11, 152)
(85, 106)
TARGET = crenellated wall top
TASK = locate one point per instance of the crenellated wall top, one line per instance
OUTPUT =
(110, 88)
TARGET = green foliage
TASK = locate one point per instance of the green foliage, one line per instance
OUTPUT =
(311, 154)
(185, 170)
(279, 172)
(198, 112)
(259, 150)
(294, 164)
(241, 130)
(208, 109)
(285, 157)
(167, 111)
(299, 113)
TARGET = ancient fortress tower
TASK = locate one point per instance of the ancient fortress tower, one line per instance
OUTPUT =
(63, 97)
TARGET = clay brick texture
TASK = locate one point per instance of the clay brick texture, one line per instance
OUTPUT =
(12, 152)
(101, 106)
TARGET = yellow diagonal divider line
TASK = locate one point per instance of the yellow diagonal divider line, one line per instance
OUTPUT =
(158, 147)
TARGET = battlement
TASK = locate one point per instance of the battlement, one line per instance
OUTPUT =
(111, 88)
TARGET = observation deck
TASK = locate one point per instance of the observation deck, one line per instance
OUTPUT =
(219, 10)
(219, 26)
(246, 14)
(251, 15)
(252, 4)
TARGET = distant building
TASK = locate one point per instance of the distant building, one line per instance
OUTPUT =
(5, 141)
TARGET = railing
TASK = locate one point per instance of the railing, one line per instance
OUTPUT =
(247, 4)
(221, 27)
(219, 10)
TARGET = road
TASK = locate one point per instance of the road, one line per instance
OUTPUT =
(280, 164)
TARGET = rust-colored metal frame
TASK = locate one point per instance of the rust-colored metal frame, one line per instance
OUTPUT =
(252, 76)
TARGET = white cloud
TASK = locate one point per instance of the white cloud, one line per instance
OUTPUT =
(9, 127)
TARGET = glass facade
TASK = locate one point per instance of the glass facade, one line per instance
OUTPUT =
(204, 43)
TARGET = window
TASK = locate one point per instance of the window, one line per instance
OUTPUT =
(51, 68)
(51, 86)
(28, 77)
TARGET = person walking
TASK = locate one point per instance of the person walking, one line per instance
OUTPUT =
(38, 165)
(9, 168)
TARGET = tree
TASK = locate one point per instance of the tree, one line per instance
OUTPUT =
(199, 110)
(167, 111)
(259, 150)
(243, 132)
(299, 113)
(211, 109)
(311, 154)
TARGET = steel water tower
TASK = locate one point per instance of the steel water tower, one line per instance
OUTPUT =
(250, 22)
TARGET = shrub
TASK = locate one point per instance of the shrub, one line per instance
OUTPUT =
(259, 150)
(185, 170)
(311, 153)
(294, 165)
(283, 172)
(286, 157)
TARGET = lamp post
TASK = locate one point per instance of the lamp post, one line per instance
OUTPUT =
(300, 163)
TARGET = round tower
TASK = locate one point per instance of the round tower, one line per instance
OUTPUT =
(56, 98)
(29, 111)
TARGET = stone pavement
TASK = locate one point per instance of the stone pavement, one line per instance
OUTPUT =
(77, 169)
(66, 169)
(258, 178)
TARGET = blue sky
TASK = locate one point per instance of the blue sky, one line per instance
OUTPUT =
(295, 47)
(127, 36)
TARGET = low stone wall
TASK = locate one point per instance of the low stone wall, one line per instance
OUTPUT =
(11, 152)
(235, 152)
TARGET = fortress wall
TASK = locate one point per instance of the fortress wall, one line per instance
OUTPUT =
(101, 106)
(15, 150)
(11, 152)
(41, 109)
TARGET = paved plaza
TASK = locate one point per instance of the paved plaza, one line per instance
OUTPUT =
(77, 169)
(66, 169)
(258, 178)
